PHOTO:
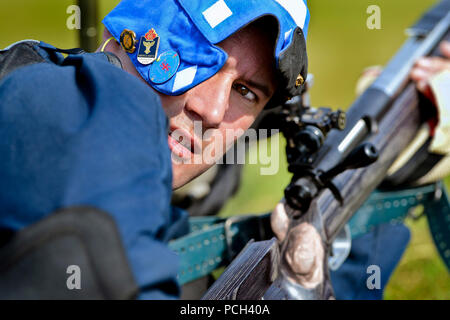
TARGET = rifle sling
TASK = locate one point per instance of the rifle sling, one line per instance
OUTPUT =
(214, 242)
(394, 206)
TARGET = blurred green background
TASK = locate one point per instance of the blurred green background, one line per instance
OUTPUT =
(340, 46)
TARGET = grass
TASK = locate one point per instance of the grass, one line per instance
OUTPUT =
(421, 274)
(340, 46)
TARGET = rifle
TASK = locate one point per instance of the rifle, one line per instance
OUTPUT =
(337, 160)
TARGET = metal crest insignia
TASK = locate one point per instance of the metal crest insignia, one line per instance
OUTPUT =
(128, 40)
(148, 47)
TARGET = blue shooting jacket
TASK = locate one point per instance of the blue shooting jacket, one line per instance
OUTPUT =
(81, 131)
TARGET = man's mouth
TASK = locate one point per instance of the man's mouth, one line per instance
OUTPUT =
(181, 143)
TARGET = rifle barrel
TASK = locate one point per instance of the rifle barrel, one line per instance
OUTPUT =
(396, 130)
(366, 112)
(396, 72)
(387, 115)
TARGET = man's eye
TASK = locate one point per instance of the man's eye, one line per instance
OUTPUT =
(245, 92)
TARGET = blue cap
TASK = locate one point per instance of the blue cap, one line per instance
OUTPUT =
(191, 28)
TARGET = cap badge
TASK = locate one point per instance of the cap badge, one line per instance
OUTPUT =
(148, 47)
(128, 40)
(165, 67)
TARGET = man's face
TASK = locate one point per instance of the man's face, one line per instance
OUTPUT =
(230, 100)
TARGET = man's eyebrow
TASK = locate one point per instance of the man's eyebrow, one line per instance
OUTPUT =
(260, 86)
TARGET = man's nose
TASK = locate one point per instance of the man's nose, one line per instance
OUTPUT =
(209, 101)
